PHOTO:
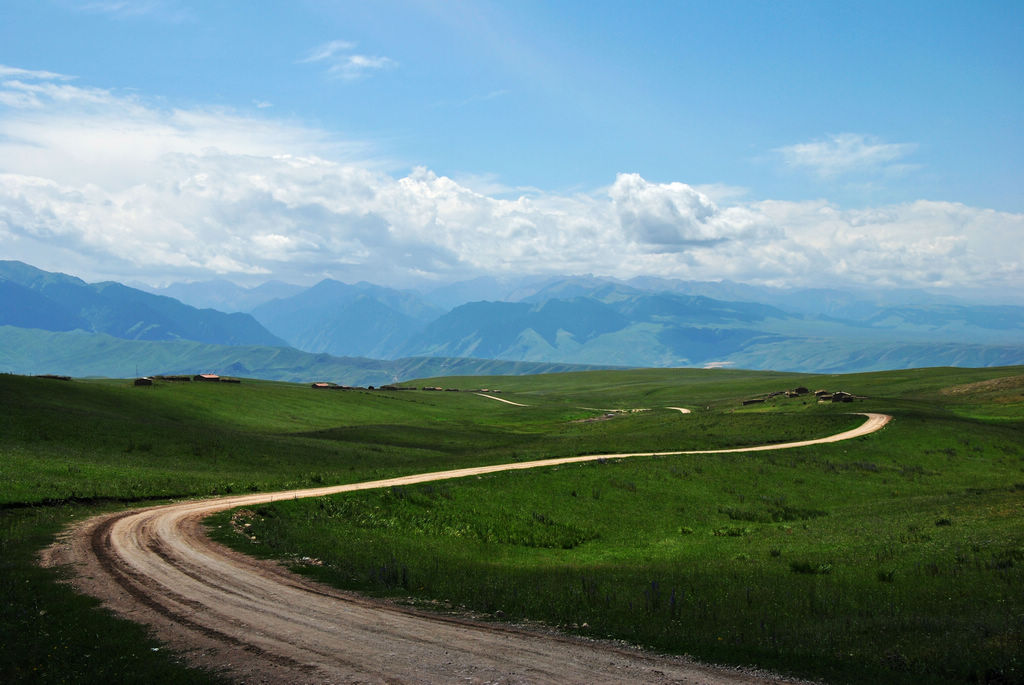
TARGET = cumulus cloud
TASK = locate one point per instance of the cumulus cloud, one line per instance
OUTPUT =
(345, 64)
(105, 185)
(672, 217)
(846, 153)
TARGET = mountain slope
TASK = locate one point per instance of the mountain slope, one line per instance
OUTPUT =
(23, 307)
(226, 296)
(630, 328)
(581, 319)
(496, 329)
(354, 320)
(77, 353)
(65, 302)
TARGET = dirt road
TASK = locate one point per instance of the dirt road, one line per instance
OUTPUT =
(501, 399)
(262, 623)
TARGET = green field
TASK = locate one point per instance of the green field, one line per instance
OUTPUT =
(898, 556)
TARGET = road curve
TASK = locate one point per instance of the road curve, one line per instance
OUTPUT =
(258, 622)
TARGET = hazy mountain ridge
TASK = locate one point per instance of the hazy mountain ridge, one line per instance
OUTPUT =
(578, 319)
(61, 302)
(337, 318)
(605, 321)
(80, 354)
(224, 295)
(23, 307)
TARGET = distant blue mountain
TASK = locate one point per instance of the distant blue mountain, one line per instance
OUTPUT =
(77, 353)
(571, 320)
(33, 298)
(617, 323)
(350, 320)
(23, 307)
(224, 295)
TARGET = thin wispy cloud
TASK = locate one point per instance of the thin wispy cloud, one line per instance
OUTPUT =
(29, 88)
(31, 74)
(343, 63)
(328, 51)
(845, 153)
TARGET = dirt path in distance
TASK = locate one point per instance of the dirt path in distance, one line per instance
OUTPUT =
(261, 623)
(501, 399)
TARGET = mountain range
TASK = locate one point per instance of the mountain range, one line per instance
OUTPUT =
(32, 298)
(551, 320)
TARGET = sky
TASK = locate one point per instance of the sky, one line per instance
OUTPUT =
(796, 144)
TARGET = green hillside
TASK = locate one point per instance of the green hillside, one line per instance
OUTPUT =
(891, 558)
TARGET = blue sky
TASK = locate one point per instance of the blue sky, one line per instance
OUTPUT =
(430, 141)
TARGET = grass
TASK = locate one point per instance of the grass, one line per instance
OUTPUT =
(50, 634)
(897, 556)
(89, 440)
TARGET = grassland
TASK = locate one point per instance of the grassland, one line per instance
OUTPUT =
(898, 555)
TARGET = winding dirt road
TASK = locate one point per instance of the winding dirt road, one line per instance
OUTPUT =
(258, 622)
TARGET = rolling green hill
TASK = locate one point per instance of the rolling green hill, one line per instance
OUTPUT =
(892, 558)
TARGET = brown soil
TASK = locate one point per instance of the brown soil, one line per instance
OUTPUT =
(1014, 385)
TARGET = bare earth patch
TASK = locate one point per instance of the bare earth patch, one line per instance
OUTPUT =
(1012, 386)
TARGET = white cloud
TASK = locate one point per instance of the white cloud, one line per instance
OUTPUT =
(109, 186)
(328, 50)
(667, 217)
(343, 63)
(845, 153)
(29, 74)
(720, 192)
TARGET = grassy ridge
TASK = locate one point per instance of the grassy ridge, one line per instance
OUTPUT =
(645, 550)
(897, 557)
(106, 439)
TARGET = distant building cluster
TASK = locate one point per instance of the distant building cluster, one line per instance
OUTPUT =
(822, 396)
(326, 385)
(199, 377)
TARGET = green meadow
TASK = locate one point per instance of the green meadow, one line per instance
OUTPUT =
(895, 557)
